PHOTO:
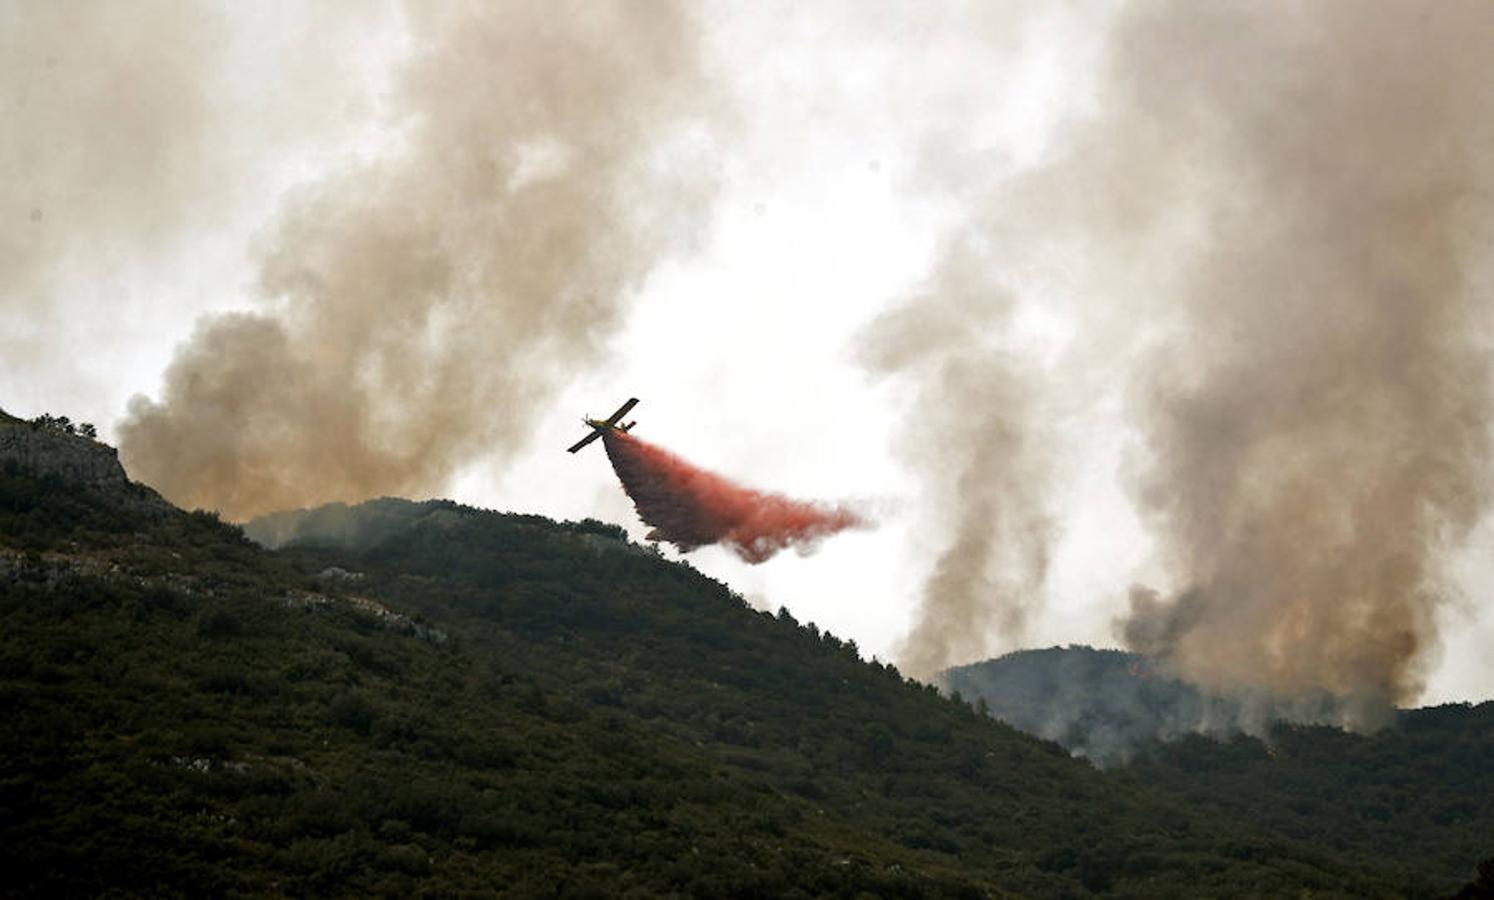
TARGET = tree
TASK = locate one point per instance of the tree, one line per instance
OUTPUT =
(62, 424)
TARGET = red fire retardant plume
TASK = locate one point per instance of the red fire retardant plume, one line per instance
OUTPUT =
(690, 507)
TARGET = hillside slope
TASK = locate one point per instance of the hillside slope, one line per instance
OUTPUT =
(1415, 795)
(1105, 705)
(474, 702)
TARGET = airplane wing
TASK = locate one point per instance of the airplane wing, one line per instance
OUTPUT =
(622, 411)
(584, 441)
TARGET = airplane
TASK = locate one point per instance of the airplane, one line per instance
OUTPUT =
(602, 426)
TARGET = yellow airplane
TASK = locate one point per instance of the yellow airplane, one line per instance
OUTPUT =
(601, 426)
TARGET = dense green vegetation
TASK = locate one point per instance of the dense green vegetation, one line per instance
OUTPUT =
(1418, 793)
(1415, 795)
(553, 711)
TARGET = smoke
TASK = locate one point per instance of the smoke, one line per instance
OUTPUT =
(975, 438)
(1106, 705)
(690, 507)
(139, 142)
(982, 425)
(1270, 218)
(102, 134)
(417, 308)
(1317, 420)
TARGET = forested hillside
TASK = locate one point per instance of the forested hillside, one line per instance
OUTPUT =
(1416, 792)
(465, 701)
(1107, 705)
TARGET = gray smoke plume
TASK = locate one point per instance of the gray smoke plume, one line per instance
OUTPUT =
(102, 147)
(975, 447)
(1279, 211)
(417, 308)
(101, 133)
(1317, 422)
(131, 131)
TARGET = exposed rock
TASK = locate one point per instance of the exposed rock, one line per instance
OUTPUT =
(54, 570)
(47, 450)
(390, 619)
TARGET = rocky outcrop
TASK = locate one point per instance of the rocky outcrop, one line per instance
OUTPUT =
(310, 600)
(48, 450)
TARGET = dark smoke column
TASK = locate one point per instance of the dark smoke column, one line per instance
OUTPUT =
(1318, 423)
(690, 507)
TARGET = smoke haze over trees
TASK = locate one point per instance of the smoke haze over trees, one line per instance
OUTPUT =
(1106, 705)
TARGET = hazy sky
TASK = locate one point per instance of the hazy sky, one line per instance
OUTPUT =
(875, 293)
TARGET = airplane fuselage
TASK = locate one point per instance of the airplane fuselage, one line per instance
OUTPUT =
(604, 425)
(600, 427)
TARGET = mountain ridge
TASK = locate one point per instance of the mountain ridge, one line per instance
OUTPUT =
(595, 723)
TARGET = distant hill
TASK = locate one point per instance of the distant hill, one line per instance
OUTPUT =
(1100, 704)
(429, 698)
(342, 526)
(1104, 705)
(1416, 791)
(339, 526)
